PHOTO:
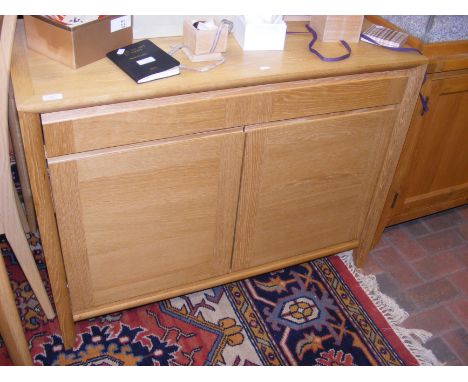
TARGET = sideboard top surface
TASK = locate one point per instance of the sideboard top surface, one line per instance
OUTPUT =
(43, 85)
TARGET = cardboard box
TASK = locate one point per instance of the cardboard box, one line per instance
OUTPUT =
(79, 45)
(201, 41)
(335, 28)
(259, 36)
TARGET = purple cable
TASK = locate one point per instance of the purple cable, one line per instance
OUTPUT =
(424, 100)
(323, 58)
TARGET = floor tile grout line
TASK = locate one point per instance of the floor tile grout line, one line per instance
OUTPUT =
(426, 255)
(410, 263)
(432, 254)
(454, 353)
(423, 222)
(444, 275)
(406, 262)
(435, 333)
(444, 304)
(462, 325)
(429, 256)
(453, 349)
(432, 232)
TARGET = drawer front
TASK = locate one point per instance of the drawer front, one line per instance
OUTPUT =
(99, 127)
(139, 220)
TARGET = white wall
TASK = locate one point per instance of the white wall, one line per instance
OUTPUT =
(146, 26)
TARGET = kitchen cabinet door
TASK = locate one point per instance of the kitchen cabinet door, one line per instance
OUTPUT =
(139, 219)
(307, 183)
(432, 174)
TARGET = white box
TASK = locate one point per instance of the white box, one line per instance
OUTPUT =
(259, 36)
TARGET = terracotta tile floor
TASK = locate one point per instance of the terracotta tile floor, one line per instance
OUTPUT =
(423, 265)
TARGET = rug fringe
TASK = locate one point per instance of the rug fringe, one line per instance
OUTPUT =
(393, 313)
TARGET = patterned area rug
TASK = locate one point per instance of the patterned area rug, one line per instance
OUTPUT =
(318, 313)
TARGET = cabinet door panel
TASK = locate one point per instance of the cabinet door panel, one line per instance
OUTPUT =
(141, 219)
(306, 184)
(434, 164)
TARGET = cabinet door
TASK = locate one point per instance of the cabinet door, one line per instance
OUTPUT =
(145, 218)
(307, 183)
(433, 171)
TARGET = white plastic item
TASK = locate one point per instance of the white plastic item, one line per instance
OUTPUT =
(257, 33)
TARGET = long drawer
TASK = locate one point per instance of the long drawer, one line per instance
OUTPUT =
(86, 129)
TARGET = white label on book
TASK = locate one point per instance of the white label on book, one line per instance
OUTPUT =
(146, 60)
(121, 23)
(52, 97)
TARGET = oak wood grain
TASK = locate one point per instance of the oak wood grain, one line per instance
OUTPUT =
(31, 132)
(335, 28)
(148, 176)
(11, 329)
(211, 282)
(306, 183)
(103, 83)
(67, 204)
(92, 128)
(372, 225)
(425, 181)
(140, 220)
(433, 167)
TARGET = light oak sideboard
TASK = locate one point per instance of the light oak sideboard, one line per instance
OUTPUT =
(145, 192)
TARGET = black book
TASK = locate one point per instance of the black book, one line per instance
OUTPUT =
(143, 61)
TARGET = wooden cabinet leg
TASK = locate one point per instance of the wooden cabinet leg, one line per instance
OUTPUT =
(10, 322)
(31, 131)
(375, 222)
(359, 257)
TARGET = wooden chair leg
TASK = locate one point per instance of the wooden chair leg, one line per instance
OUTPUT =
(22, 216)
(20, 246)
(17, 144)
(10, 322)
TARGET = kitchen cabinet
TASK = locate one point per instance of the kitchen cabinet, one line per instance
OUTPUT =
(432, 173)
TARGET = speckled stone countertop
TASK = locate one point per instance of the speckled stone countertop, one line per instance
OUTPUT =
(433, 28)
